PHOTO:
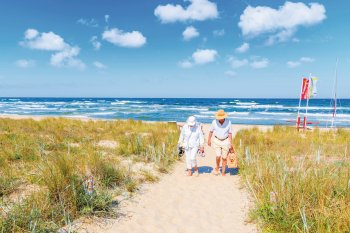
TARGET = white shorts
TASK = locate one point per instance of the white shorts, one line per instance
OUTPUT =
(221, 148)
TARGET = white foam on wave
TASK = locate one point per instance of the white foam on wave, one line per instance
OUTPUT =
(224, 106)
(246, 103)
(142, 106)
(251, 118)
(67, 109)
(36, 108)
(279, 106)
(77, 116)
(238, 113)
(83, 103)
(322, 108)
(207, 113)
(190, 109)
(121, 102)
(276, 113)
(102, 113)
(203, 117)
(58, 103)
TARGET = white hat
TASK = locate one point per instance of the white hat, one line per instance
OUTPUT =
(191, 121)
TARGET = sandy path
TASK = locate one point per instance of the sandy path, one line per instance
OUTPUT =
(182, 204)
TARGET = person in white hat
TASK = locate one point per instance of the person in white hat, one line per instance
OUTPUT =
(222, 142)
(192, 139)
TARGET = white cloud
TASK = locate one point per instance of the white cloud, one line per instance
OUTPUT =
(67, 58)
(230, 73)
(293, 64)
(106, 18)
(95, 43)
(190, 33)
(30, 33)
(236, 63)
(133, 39)
(23, 63)
(218, 33)
(185, 64)
(254, 62)
(48, 41)
(307, 59)
(43, 41)
(88, 22)
(243, 48)
(281, 36)
(99, 65)
(201, 56)
(281, 23)
(199, 10)
(259, 63)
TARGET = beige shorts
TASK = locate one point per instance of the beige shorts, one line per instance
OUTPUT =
(221, 147)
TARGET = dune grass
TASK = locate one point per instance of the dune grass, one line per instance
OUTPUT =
(300, 180)
(56, 155)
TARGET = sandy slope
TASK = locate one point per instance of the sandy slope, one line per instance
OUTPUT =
(181, 204)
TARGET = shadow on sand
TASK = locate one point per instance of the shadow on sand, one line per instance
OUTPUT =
(232, 171)
(208, 170)
(205, 169)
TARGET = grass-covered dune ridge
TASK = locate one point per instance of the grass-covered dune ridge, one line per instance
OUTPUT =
(300, 181)
(44, 165)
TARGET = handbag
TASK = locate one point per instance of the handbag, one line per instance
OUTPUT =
(232, 161)
(181, 151)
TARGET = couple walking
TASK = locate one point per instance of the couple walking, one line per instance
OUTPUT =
(220, 138)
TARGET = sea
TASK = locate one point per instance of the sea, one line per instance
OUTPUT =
(240, 111)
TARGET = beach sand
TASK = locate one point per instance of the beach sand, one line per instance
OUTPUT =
(181, 204)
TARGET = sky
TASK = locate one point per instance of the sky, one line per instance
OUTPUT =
(173, 48)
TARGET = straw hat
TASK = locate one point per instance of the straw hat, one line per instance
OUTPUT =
(221, 114)
(191, 121)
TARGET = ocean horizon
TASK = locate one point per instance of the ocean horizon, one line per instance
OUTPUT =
(253, 111)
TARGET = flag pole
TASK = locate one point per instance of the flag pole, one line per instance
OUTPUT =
(301, 90)
(307, 102)
(298, 117)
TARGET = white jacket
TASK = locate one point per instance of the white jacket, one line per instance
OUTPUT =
(191, 137)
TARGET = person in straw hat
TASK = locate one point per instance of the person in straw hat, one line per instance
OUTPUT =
(222, 141)
(192, 139)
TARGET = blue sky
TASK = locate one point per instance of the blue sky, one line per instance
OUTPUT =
(172, 48)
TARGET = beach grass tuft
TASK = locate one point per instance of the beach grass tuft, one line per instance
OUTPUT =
(57, 155)
(300, 180)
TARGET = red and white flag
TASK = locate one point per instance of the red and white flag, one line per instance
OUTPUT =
(305, 89)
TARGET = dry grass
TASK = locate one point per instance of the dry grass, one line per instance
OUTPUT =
(300, 181)
(58, 155)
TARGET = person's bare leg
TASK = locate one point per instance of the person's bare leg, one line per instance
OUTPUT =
(196, 173)
(224, 162)
(189, 172)
(218, 158)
